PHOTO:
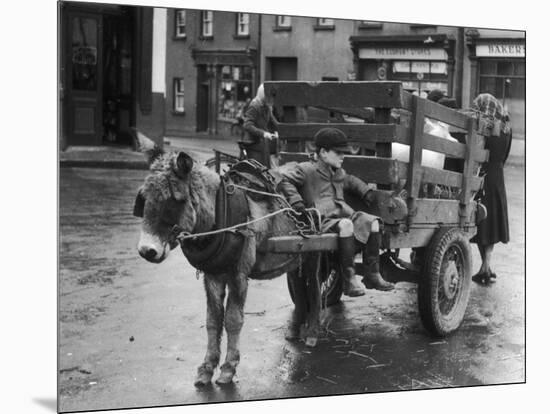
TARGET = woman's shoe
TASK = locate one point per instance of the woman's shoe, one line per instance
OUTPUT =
(484, 278)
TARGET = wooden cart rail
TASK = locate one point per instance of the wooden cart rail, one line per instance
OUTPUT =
(360, 99)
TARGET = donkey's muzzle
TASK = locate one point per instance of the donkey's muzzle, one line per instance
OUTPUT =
(149, 254)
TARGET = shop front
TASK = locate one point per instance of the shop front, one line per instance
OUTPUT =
(498, 67)
(226, 85)
(421, 63)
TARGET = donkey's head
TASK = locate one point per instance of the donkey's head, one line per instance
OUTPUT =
(173, 194)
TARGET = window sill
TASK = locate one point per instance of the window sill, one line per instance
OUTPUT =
(317, 27)
(206, 37)
(180, 37)
(282, 28)
(178, 113)
(370, 26)
(241, 36)
(423, 26)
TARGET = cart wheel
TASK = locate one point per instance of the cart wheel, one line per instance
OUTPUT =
(444, 285)
(332, 286)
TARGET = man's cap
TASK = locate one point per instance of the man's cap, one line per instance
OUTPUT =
(332, 138)
(448, 102)
(435, 95)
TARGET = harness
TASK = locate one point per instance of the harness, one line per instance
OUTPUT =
(220, 249)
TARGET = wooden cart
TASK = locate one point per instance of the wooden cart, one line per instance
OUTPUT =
(374, 115)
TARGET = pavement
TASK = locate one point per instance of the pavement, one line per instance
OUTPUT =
(128, 158)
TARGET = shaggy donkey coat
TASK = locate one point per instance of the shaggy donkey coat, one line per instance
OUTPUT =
(180, 192)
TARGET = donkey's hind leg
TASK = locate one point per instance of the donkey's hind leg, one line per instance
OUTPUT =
(234, 319)
(215, 295)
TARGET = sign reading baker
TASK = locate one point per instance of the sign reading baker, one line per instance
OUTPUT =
(501, 50)
(403, 53)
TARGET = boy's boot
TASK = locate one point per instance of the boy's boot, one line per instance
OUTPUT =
(346, 251)
(371, 261)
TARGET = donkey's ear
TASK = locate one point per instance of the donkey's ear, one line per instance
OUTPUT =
(184, 164)
(145, 145)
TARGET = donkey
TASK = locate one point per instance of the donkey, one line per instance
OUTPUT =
(180, 192)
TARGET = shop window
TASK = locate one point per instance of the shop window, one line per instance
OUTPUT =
(179, 101)
(282, 23)
(207, 24)
(505, 80)
(243, 24)
(180, 24)
(235, 91)
(420, 77)
(324, 24)
(502, 78)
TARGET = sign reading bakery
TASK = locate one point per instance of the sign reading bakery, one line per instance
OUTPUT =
(498, 50)
(403, 53)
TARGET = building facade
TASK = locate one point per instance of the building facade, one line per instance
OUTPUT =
(495, 63)
(111, 75)
(178, 72)
(212, 69)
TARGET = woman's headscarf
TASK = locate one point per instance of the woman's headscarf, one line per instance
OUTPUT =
(490, 107)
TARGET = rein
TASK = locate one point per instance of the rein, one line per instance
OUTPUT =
(181, 235)
(185, 235)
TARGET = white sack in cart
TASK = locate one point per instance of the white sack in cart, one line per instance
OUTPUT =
(429, 158)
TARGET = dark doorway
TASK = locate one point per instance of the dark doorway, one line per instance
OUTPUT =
(97, 80)
(283, 69)
(203, 92)
(117, 80)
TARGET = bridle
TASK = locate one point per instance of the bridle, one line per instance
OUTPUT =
(175, 231)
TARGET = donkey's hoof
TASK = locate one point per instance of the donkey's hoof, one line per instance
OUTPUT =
(311, 341)
(292, 333)
(204, 376)
(227, 372)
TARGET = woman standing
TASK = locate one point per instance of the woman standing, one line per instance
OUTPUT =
(494, 228)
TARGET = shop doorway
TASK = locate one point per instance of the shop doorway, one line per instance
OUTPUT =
(97, 81)
(203, 92)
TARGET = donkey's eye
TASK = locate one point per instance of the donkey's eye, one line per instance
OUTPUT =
(171, 212)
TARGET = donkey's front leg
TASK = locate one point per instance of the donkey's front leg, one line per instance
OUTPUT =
(215, 295)
(234, 319)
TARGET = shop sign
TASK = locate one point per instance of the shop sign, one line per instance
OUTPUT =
(420, 67)
(412, 53)
(438, 67)
(84, 55)
(501, 50)
(401, 67)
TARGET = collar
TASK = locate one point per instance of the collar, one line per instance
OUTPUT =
(326, 171)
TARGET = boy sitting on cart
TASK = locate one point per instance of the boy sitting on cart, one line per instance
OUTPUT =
(321, 184)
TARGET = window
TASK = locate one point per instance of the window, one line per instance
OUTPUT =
(419, 77)
(207, 19)
(180, 24)
(235, 91)
(179, 96)
(243, 24)
(325, 22)
(329, 78)
(282, 22)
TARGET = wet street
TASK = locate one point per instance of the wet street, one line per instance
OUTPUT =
(132, 333)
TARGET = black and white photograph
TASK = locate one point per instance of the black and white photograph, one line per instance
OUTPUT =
(257, 206)
(277, 206)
